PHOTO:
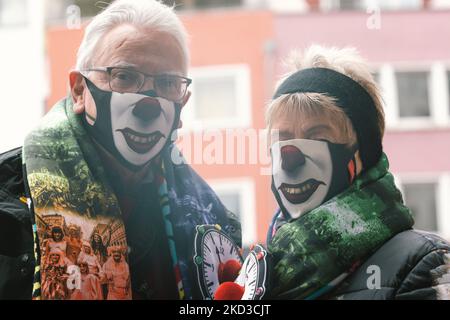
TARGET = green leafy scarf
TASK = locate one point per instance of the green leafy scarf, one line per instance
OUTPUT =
(314, 253)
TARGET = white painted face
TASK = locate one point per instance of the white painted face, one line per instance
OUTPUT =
(306, 187)
(138, 140)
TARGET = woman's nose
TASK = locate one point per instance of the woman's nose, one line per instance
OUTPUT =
(291, 158)
(147, 109)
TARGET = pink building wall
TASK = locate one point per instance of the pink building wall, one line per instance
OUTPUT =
(403, 36)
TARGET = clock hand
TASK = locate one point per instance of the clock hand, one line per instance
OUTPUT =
(218, 254)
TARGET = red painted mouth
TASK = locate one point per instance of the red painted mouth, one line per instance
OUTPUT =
(299, 193)
(140, 142)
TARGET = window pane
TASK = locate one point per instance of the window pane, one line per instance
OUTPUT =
(199, 4)
(216, 3)
(231, 200)
(350, 4)
(376, 77)
(215, 98)
(413, 94)
(89, 8)
(421, 199)
(13, 12)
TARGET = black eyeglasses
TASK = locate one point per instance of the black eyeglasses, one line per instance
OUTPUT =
(126, 80)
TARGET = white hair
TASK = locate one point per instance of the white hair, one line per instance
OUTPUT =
(140, 13)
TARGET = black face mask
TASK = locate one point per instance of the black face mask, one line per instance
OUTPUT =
(307, 173)
(133, 127)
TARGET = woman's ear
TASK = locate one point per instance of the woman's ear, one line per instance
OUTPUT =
(359, 165)
(77, 87)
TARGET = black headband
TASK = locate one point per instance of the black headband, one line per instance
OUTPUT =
(351, 97)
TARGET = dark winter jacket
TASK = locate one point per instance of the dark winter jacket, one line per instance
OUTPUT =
(412, 265)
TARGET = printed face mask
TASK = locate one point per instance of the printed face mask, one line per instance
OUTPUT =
(133, 127)
(306, 173)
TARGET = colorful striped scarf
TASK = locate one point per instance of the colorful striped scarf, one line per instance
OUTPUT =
(76, 211)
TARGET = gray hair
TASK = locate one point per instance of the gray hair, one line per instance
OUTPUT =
(141, 13)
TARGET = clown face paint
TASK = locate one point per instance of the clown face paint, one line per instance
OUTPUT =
(138, 140)
(134, 127)
(306, 173)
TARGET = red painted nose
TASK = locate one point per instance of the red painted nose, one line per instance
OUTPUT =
(147, 109)
(291, 158)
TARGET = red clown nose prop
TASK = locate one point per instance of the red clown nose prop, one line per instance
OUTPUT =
(292, 158)
(229, 271)
(229, 291)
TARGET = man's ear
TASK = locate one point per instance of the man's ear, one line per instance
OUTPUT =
(186, 99)
(183, 103)
(77, 87)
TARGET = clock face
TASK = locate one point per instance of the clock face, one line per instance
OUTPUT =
(253, 274)
(213, 249)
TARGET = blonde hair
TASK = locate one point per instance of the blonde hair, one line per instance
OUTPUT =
(297, 105)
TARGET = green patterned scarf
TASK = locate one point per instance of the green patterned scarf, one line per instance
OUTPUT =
(314, 253)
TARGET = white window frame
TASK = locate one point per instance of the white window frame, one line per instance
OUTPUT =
(442, 196)
(385, 5)
(437, 92)
(241, 72)
(246, 189)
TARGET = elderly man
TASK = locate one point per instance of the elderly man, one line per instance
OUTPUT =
(342, 230)
(101, 159)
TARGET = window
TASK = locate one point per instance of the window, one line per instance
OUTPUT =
(400, 4)
(216, 3)
(89, 8)
(231, 200)
(376, 77)
(13, 13)
(421, 199)
(220, 98)
(349, 4)
(416, 98)
(238, 196)
(215, 97)
(202, 4)
(413, 94)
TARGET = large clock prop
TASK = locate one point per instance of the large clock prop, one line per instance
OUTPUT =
(222, 273)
